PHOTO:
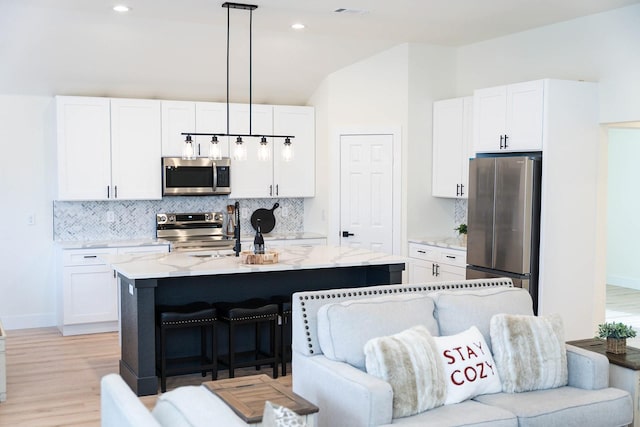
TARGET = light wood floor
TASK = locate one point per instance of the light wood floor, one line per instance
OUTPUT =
(55, 381)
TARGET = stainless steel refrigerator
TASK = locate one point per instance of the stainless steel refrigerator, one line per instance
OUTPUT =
(503, 237)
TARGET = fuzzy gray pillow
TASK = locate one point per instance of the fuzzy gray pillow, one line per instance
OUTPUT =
(529, 352)
(410, 363)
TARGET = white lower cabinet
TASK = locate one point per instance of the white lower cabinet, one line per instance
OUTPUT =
(88, 291)
(435, 264)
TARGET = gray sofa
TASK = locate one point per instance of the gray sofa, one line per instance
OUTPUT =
(331, 375)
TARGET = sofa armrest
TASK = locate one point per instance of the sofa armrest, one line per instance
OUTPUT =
(587, 369)
(344, 394)
(120, 407)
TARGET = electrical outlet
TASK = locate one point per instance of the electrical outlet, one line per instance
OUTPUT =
(245, 212)
(31, 219)
(111, 216)
(285, 212)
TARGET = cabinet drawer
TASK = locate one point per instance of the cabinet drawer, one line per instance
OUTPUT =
(155, 249)
(453, 257)
(428, 253)
(85, 256)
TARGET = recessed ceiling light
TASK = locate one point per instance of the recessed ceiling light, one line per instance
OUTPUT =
(121, 8)
(297, 26)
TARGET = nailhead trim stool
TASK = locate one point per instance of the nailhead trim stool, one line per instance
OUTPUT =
(284, 312)
(195, 315)
(250, 312)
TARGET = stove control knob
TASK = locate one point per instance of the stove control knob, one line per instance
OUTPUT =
(207, 217)
(172, 218)
(162, 218)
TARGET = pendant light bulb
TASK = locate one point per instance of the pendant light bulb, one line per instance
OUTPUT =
(187, 149)
(287, 151)
(239, 153)
(214, 149)
(264, 154)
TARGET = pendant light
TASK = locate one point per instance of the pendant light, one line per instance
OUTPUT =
(239, 151)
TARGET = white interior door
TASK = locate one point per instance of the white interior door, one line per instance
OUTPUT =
(366, 192)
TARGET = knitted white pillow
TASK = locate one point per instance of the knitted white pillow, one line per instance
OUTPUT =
(280, 416)
(529, 351)
(409, 362)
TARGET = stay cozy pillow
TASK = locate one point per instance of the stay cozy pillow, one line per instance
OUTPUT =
(409, 362)
(529, 351)
(469, 369)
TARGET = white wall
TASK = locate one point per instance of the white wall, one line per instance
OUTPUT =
(601, 48)
(394, 88)
(623, 221)
(27, 279)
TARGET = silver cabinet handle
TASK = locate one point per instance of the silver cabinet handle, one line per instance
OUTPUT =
(277, 192)
(271, 190)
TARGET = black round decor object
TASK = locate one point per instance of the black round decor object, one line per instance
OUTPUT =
(266, 217)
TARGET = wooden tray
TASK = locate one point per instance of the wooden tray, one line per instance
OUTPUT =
(248, 257)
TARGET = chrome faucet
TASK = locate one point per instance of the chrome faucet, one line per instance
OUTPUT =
(236, 229)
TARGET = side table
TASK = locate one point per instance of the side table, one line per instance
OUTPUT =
(247, 396)
(624, 370)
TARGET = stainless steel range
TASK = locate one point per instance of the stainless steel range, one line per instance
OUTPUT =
(193, 231)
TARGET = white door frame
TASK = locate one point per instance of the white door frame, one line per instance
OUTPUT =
(334, 174)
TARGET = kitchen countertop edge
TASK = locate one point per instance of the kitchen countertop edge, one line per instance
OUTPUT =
(441, 242)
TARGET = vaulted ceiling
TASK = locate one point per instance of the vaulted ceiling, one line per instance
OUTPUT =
(176, 49)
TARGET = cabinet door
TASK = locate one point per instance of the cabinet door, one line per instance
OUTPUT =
(421, 272)
(446, 273)
(295, 178)
(467, 144)
(448, 138)
(89, 294)
(83, 144)
(211, 117)
(489, 118)
(177, 117)
(251, 178)
(524, 116)
(135, 149)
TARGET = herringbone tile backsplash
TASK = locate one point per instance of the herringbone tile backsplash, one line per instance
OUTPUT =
(82, 221)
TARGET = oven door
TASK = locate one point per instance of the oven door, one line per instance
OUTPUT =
(188, 177)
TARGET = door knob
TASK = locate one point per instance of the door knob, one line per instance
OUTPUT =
(346, 234)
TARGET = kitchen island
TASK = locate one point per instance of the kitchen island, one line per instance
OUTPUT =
(149, 280)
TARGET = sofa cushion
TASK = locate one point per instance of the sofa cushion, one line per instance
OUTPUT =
(344, 328)
(469, 369)
(566, 407)
(410, 363)
(529, 351)
(194, 406)
(468, 414)
(457, 311)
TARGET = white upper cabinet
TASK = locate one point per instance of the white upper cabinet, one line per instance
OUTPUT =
(509, 118)
(108, 149)
(452, 134)
(254, 178)
(198, 117)
(177, 117)
(84, 148)
(295, 178)
(135, 149)
(251, 178)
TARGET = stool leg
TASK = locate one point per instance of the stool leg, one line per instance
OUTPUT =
(214, 352)
(274, 332)
(283, 349)
(257, 343)
(232, 349)
(163, 359)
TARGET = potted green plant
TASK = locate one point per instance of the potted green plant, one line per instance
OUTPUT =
(616, 334)
(462, 233)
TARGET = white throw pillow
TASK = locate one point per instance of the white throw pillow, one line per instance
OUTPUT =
(409, 363)
(279, 416)
(529, 351)
(469, 369)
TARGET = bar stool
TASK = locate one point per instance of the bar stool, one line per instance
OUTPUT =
(195, 315)
(284, 321)
(254, 312)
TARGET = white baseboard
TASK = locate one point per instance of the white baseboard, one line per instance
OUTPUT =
(28, 321)
(625, 282)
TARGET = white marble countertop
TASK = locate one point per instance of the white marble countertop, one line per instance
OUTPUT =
(92, 244)
(443, 242)
(204, 263)
(285, 236)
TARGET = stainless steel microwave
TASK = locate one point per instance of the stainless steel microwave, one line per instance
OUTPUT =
(197, 177)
